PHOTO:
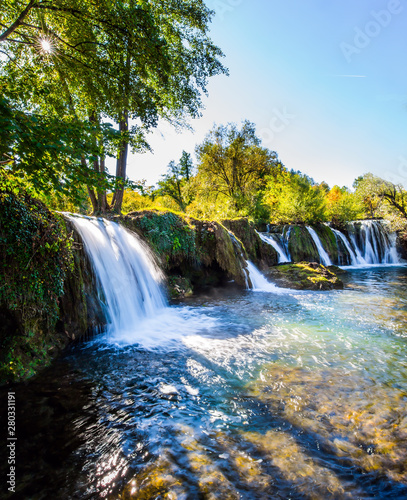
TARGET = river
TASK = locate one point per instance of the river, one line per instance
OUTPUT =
(231, 395)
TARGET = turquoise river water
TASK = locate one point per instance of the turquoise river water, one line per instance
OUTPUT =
(231, 395)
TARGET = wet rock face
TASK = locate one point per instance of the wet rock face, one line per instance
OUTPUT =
(306, 276)
(81, 307)
(401, 245)
(258, 251)
(200, 251)
(301, 245)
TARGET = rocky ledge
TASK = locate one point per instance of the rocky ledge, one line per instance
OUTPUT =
(306, 276)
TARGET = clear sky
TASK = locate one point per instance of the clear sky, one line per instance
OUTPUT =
(325, 82)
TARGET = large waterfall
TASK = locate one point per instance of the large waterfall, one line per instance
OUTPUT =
(129, 279)
(373, 244)
(131, 285)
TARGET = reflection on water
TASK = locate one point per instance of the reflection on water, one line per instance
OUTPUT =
(301, 395)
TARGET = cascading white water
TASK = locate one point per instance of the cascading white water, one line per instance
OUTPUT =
(129, 278)
(269, 239)
(372, 243)
(356, 258)
(130, 282)
(259, 281)
(324, 257)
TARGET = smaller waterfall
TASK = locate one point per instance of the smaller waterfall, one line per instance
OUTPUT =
(278, 247)
(259, 281)
(324, 257)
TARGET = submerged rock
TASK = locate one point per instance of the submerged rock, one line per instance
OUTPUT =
(306, 276)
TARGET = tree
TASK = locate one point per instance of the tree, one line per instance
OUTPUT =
(47, 152)
(123, 60)
(294, 198)
(231, 163)
(343, 206)
(379, 194)
(175, 181)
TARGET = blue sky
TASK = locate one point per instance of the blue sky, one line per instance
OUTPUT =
(325, 82)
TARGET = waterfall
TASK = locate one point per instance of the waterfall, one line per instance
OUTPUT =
(372, 242)
(324, 257)
(259, 281)
(129, 279)
(355, 257)
(283, 255)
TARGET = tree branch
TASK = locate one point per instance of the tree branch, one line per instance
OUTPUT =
(18, 21)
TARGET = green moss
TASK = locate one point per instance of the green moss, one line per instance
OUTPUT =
(202, 251)
(328, 240)
(35, 255)
(301, 246)
(170, 234)
(257, 250)
(305, 276)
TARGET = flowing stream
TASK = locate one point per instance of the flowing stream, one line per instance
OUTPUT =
(238, 394)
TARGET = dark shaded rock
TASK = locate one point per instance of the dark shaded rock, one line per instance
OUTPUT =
(328, 240)
(259, 252)
(81, 308)
(201, 251)
(401, 244)
(301, 245)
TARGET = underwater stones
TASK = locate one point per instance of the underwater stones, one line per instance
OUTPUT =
(306, 276)
(332, 405)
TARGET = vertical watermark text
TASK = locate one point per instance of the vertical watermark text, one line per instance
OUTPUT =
(11, 441)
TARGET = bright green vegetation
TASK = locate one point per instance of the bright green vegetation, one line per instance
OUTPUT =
(71, 64)
(34, 259)
(306, 276)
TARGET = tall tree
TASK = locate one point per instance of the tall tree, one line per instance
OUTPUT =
(176, 179)
(134, 62)
(232, 163)
(377, 192)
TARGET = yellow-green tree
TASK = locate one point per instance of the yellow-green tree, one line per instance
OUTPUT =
(234, 166)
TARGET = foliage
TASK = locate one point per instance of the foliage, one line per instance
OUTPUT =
(294, 198)
(232, 165)
(169, 234)
(35, 255)
(176, 181)
(382, 198)
(122, 60)
(343, 206)
(48, 152)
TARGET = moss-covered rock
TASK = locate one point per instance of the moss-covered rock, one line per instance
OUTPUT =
(259, 252)
(306, 276)
(201, 251)
(301, 245)
(35, 256)
(328, 240)
(48, 294)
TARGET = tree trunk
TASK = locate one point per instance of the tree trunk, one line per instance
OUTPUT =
(121, 165)
(91, 193)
